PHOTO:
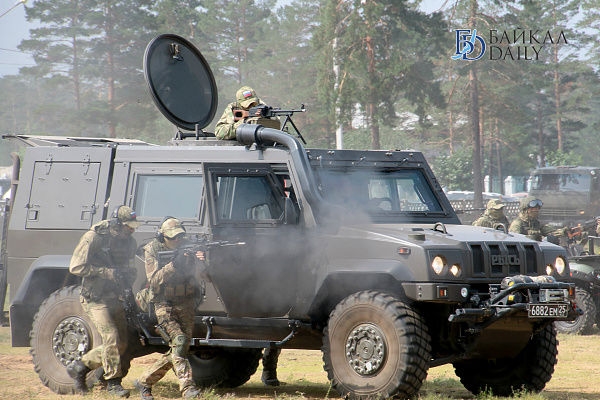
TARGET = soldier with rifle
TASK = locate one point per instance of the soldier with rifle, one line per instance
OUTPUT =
(175, 292)
(580, 238)
(493, 215)
(103, 259)
(237, 113)
(249, 109)
(527, 222)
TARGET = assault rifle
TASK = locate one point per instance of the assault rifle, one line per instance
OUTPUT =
(265, 111)
(190, 249)
(132, 315)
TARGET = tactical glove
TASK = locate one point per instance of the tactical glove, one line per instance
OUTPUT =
(107, 273)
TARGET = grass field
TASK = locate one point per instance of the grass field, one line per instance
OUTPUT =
(575, 377)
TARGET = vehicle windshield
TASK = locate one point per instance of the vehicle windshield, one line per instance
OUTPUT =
(378, 191)
(561, 182)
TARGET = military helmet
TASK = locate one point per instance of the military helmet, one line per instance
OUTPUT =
(530, 202)
(246, 96)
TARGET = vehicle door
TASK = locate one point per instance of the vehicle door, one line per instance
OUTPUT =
(254, 215)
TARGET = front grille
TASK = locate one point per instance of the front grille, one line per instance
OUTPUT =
(500, 259)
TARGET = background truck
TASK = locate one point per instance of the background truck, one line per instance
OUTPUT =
(571, 195)
(356, 253)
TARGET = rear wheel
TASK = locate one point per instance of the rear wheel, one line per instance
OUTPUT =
(61, 333)
(584, 323)
(224, 368)
(375, 346)
(529, 371)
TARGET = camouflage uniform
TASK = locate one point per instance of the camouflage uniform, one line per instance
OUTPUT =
(245, 98)
(175, 292)
(531, 226)
(493, 215)
(104, 260)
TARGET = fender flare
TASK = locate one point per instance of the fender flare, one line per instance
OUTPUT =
(45, 275)
(366, 274)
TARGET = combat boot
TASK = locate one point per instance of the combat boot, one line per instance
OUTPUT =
(269, 362)
(114, 387)
(78, 371)
(191, 392)
(145, 391)
(269, 377)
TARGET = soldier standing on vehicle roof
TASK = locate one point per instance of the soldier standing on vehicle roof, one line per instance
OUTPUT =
(527, 222)
(493, 215)
(175, 292)
(104, 260)
(245, 99)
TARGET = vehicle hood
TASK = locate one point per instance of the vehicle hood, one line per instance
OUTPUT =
(431, 234)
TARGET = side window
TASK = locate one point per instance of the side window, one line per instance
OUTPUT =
(247, 198)
(160, 195)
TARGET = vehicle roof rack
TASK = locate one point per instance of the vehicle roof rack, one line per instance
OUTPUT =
(64, 141)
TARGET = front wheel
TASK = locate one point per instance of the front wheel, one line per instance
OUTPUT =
(375, 346)
(530, 370)
(584, 323)
(61, 333)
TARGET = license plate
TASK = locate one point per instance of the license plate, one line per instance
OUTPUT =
(547, 310)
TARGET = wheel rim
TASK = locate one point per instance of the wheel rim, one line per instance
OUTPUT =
(70, 340)
(365, 349)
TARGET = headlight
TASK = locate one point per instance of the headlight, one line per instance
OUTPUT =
(438, 264)
(559, 265)
(455, 270)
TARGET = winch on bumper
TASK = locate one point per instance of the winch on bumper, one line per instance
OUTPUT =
(536, 297)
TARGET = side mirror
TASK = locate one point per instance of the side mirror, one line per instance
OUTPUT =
(290, 212)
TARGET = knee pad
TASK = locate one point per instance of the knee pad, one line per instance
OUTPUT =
(180, 345)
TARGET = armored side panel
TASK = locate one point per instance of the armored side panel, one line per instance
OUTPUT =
(61, 194)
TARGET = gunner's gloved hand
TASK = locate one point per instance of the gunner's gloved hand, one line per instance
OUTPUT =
(238, 123)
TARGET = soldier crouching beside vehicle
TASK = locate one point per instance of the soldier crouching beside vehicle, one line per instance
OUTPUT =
(104, 259)
(175, 293)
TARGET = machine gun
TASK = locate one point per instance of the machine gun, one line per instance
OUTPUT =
(586, 226)
(265, 111)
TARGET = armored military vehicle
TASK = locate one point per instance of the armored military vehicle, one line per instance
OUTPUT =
(356, 253)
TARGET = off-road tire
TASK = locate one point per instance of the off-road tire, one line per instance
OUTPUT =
(61, 333)
(224, 368)
(583, 324)
(529, 371)
(375, 346)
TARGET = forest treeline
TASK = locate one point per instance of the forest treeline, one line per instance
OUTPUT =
(483, 87)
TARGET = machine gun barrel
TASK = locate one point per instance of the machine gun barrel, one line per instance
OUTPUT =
(279, 111)
(266, 111)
